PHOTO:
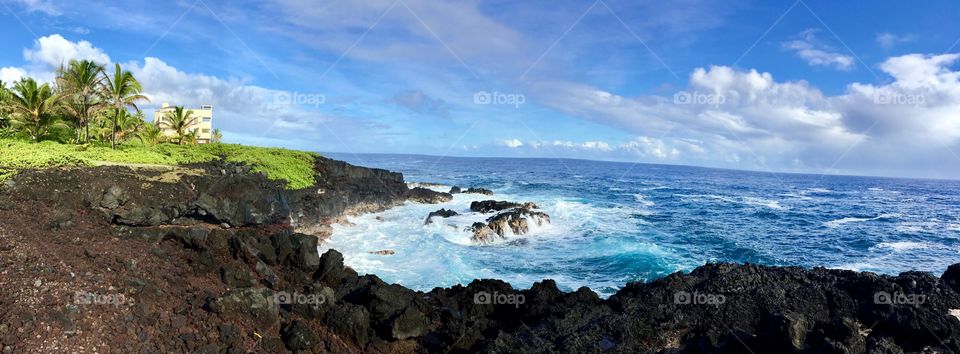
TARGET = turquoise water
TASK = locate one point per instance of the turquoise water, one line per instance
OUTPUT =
(620, 222)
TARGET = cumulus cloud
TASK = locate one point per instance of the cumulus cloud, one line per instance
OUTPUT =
(11, 74)
(512, 143)
(755, 121)
(54, 51)
(814, 53)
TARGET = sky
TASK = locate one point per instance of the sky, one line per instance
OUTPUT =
(825, 87)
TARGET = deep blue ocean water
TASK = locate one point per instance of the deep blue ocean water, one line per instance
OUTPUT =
(620, 222)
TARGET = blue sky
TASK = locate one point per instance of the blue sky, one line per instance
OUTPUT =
(801, 86)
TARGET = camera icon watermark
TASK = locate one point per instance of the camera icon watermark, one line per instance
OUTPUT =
(499, 98)
(285, 298)
(88, 298)
(685, 298)
(485, 298)
(891, 98)
(699, 98)
(898, 298)
(286, 98)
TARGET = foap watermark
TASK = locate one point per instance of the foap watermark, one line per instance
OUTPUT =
(286, 98)
(898, 298)
(499, 98)
(285, 298)
(699, 98)
(685, 298)
(893, 98)
(485, 298)
(88, 298)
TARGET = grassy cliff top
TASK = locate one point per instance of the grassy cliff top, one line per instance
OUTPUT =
(296, 168)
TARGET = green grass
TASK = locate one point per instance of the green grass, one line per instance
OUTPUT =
(296, 168)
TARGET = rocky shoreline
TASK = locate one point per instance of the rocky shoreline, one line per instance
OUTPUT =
(212, 258)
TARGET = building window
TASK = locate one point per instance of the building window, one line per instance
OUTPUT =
(206, 119)
(206, 131)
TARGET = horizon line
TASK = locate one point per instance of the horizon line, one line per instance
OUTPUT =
(902, 177)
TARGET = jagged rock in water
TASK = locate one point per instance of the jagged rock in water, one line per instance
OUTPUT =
(482, 233)
(443, 213)
(487, 206)
(514, 217)
(473, 190)
(428, 196)
(517, 220)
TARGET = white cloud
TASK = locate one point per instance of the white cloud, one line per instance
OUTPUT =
(512, 143)
(762, 123)
(649, 147)
(888, 40)
(10, 74)
(54, 51)
(810, 50)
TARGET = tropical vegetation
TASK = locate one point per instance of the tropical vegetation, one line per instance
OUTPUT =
(90, 115)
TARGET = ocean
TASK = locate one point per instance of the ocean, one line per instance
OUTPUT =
(614, 223)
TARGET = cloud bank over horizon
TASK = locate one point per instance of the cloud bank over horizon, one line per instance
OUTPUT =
(483, 78)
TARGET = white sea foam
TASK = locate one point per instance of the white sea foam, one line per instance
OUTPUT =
(839, 222)
(903, 245)
(642, 199)
(921, 226)
(645, 189)
(442, 254)
(772, 204)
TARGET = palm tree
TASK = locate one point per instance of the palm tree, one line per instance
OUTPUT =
(179, 120)
(32, 107)
(151, 134)
(81, 82)
(217, 136)
(129, 125)
(123, 90)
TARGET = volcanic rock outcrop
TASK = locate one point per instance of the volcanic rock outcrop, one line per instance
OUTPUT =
(137, 260)
(515, 217)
